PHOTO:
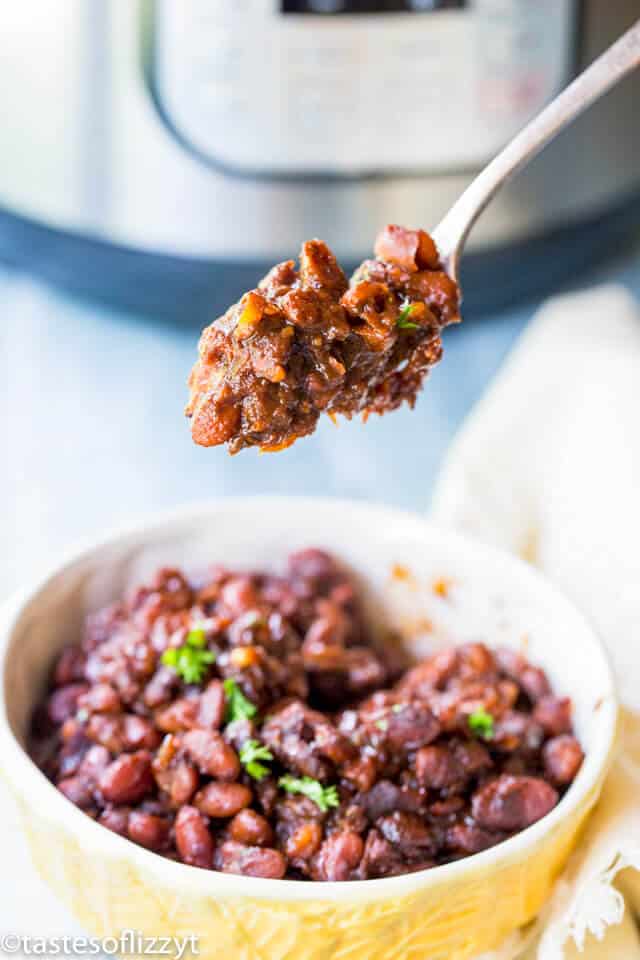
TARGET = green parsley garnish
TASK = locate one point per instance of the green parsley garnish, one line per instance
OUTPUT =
(238, 707)
(190, 661)
(323, 797)
(197, 637)
(250, 753)
(382, 725)
(403, 321)
(481, 723)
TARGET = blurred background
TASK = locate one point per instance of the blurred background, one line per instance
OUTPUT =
(158, 155)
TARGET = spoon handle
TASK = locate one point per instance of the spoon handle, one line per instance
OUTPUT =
(614, 64)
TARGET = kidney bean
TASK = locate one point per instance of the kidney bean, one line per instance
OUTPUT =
(180, 715)
(184, 783)
(325, 637)
(313, 564)
(361, 772)
(385, 797)
(100, 698)
(251, 828)
(212, 754)
(472, 757)
(245, 633)
(106, 729)
(222, 799)
(562, 757)
(160, 687)
(239, 594)
(168, 592)
(410, 726)
(512, 803)
(338, 856)
(344, 594)
(175, 776)
(142, 659)
(72, 752)
(266, 792)
(468, 838)
(379, 858)
(364, 670)
(431, 674)
(115, 819)
(78, 789)
(533, 680)
(535, 683)
(446, 808)
(212, 706)
(70, 667)
(407, 832)
(193, 839)
(127, 686)
(517, 731)
(95, 762)
(554, 715)
(436, 286)
(306, 740)
(148, 830)
(321, 654)
(128, 779)
(476, 661)
(305, 841)
(138, 733)
(437, 767)
(232, 857)
(63, 702)
(507, 694)
(166, 753)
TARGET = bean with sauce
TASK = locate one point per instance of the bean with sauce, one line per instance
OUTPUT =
(306, 342)
(250, 723)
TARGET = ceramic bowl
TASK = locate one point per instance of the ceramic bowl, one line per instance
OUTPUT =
(436, 588)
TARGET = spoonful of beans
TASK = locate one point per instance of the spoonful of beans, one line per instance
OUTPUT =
(307, 341)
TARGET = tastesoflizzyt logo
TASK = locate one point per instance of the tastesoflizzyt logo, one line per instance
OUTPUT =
(127, 943)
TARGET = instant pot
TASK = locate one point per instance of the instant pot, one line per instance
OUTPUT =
(162, 154)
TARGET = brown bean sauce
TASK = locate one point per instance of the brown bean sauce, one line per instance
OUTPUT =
(250, 723)
(306, 341)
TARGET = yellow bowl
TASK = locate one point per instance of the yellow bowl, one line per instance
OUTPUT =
(452, 912)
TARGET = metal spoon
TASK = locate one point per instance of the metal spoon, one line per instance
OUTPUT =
(615, 63)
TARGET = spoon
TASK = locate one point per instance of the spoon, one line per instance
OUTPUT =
(615, 63)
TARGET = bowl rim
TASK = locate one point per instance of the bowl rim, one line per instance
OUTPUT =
(27, 780)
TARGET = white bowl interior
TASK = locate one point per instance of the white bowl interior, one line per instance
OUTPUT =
(490, 596)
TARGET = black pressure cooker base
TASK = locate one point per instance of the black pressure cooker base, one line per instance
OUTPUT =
(191, 291)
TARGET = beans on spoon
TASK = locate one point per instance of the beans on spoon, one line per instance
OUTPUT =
(306, 341)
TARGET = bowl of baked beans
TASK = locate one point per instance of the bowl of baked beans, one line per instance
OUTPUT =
(302, 728)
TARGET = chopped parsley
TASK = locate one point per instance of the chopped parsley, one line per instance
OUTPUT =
(190, 661)
(251, 753)
(403, 321)
(382, 725)
(481, 723)
(196, 637)
(238, 707)
(323, 797)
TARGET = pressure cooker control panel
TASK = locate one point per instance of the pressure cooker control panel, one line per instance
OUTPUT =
(353, 87)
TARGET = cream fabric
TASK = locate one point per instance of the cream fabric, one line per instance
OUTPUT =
(548, 466)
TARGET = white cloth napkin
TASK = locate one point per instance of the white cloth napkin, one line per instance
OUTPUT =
(548, 466)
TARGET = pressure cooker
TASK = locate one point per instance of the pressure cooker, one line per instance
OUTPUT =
(160, 154)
